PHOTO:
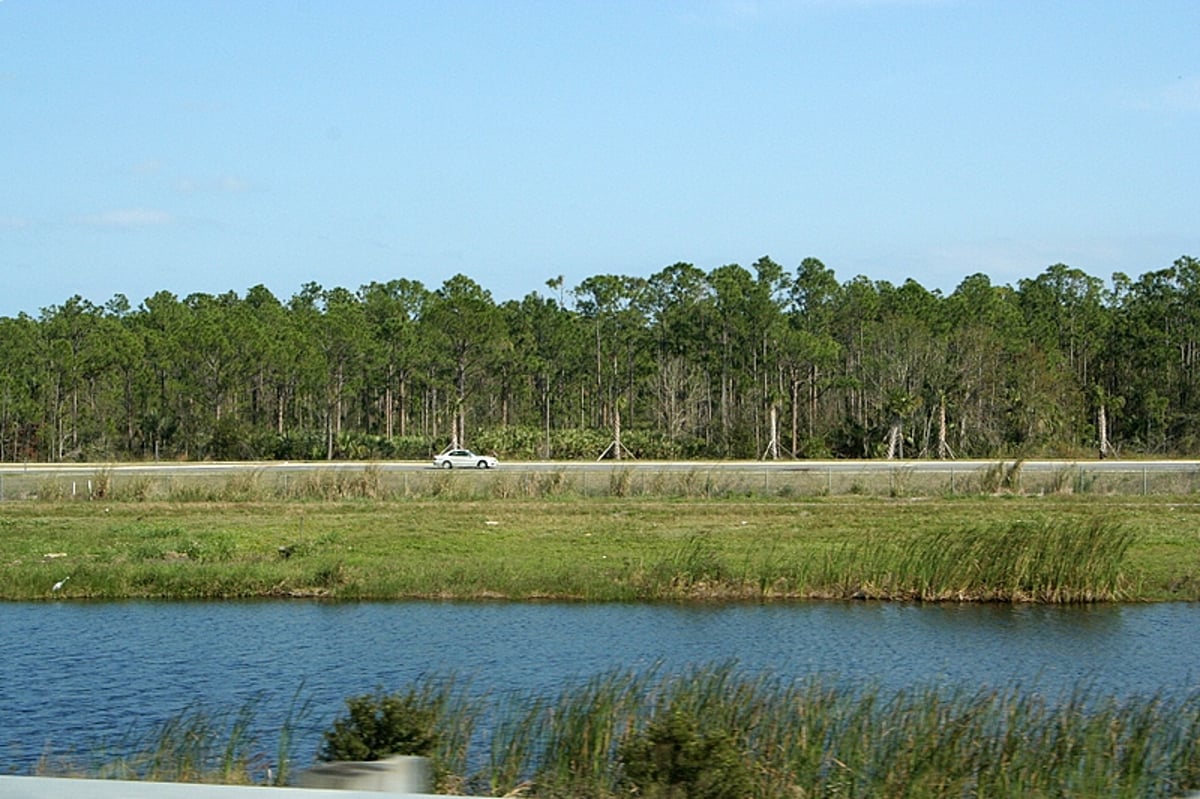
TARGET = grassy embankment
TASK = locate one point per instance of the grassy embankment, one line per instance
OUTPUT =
(347, 536)
(715, 732)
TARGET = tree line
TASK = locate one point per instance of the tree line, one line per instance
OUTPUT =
(726, 363)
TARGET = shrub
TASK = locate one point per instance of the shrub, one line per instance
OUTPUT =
(511, 442)
(380, 725)
(673, 759)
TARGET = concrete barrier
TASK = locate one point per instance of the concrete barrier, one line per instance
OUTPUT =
(68, 788)
(403, 777)
(399, 774)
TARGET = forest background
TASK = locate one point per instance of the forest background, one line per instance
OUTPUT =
(728, 363)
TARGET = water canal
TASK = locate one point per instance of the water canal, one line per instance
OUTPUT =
(73, 675)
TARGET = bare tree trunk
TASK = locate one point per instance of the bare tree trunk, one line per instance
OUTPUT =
(546, 406)
(329, 436)
(617, 432)
(795, 416)
(459, 419)
(457, 425)
(432, 411)
(772, 450)
(943, 446)
(388, 411)
(1102, 428)
(894, 440)
(403, 407)
(812, 400)
(279, 410)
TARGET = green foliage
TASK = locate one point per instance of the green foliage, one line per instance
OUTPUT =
(379, 725)
(674, 759)
(693, 361)
(522, 443)
(579, 443)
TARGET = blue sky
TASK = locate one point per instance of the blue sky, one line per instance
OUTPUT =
(212, 145)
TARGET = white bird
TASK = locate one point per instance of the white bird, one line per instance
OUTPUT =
(61, 583)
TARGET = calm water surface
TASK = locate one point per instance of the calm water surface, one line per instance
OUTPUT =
(74, 674)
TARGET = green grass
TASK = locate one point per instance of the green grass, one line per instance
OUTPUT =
(814, 738)
(1064, 548)
(758, 736)
(1050, 561)
(193, 746)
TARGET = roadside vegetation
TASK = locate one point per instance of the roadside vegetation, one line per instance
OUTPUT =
(348, 535)
(719, 733)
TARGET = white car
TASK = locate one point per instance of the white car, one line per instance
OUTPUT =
(464, 459)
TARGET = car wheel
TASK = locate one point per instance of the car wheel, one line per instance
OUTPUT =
(482, 464)
(447, 465)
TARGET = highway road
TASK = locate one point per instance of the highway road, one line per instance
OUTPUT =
(864, 467)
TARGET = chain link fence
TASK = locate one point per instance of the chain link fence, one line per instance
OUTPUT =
(332, 482)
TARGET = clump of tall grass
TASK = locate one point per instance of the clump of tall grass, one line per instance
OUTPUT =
(606, 737)
(620, 482)
(244, 487)
(694, 568)
(531, 485)
(337, 484)
(135, 489)
(819, 739)
(1049, 562)
(1001, 477)
(51, 490)
(193, 746)
(1060, 562)
(197, 745)
(716, 731)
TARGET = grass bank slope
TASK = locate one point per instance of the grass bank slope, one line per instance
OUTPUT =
(1048, 549)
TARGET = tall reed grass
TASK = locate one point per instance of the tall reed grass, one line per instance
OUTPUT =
(196, 745)
(778, 737)
(816, 737)
(1063, 561)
